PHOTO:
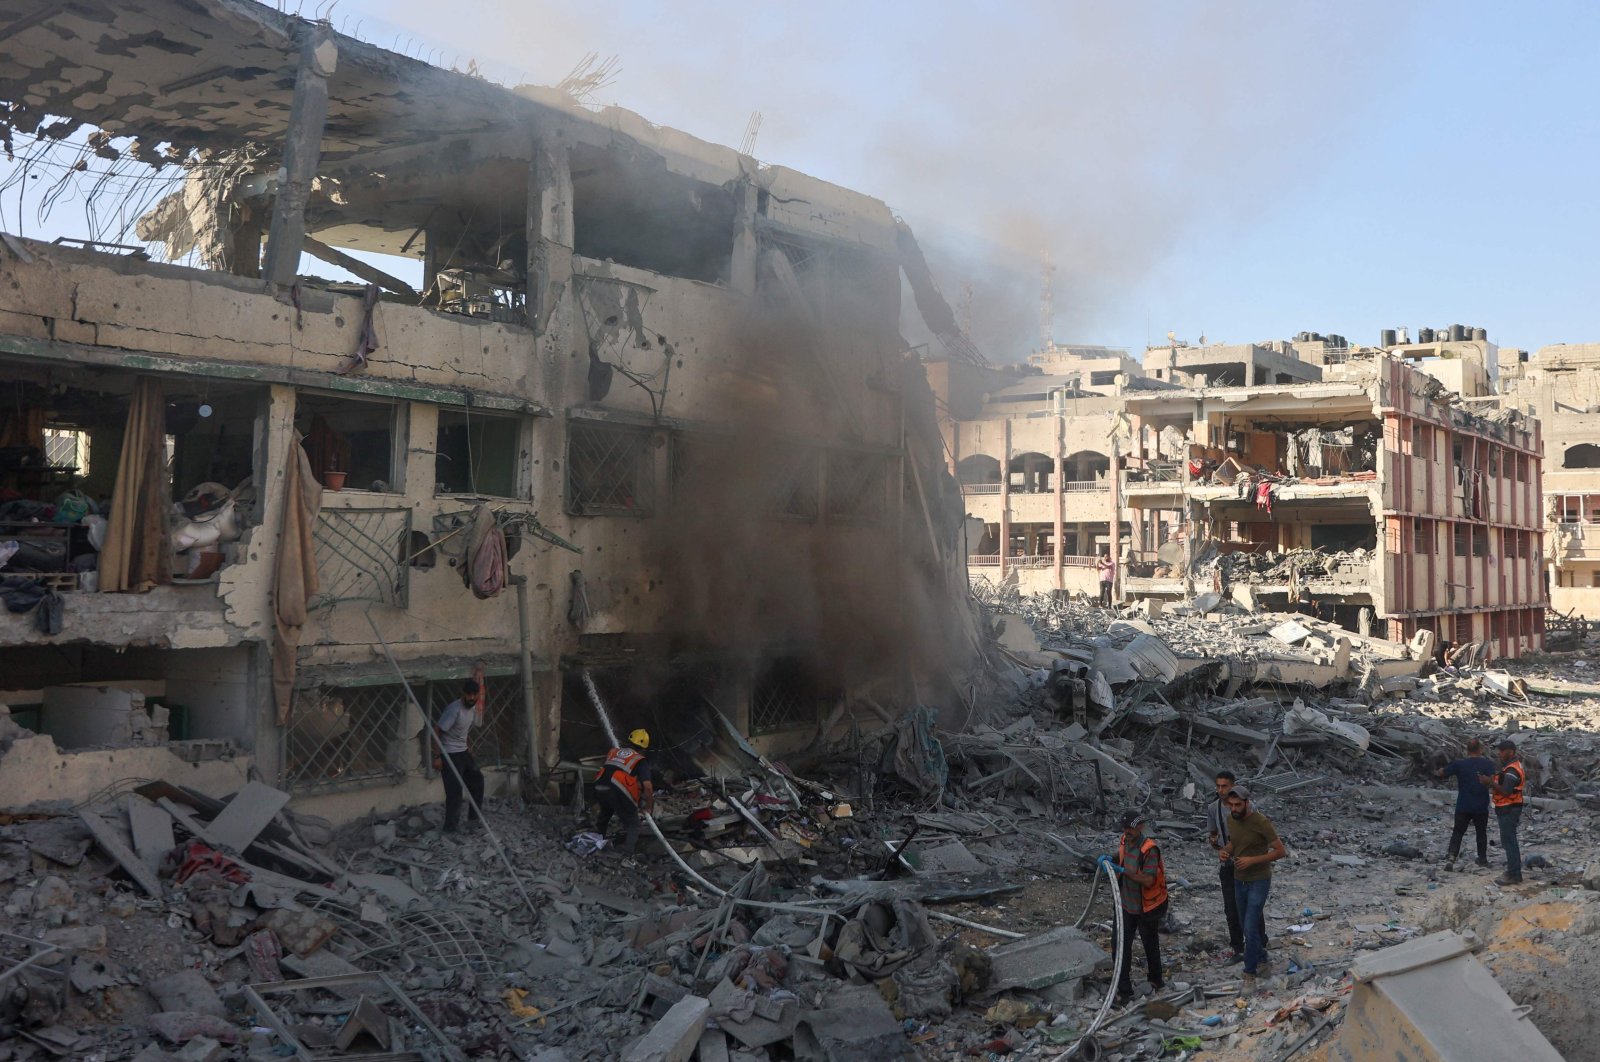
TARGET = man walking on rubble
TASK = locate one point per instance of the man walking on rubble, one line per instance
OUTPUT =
(453, 726)
(1142, 887)
(1217, 818)
(1253, 845)
(1472, 801)
(623, 786)
(1506, 794)
(1108, 576)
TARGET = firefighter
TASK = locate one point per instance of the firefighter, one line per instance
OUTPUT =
(1506, 793)
(623, 787)
(1143, 892)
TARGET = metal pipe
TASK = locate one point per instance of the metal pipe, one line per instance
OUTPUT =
(530, 710)
(448, 762)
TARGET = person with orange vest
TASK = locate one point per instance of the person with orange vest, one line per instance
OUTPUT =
(1142, 885)
(1506, 793)
(623, 785)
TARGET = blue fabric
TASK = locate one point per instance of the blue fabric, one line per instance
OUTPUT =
(1471, 794)
(1251, 899)
(1509, 818)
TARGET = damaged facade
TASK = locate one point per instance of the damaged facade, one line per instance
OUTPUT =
(666, 380)
(1360, 490)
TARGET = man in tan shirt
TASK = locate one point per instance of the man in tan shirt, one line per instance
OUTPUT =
(1253, 845)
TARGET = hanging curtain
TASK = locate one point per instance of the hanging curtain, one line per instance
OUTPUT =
(295, 583)
(135, 555)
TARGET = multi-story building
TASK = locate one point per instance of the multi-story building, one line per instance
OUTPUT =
(1033, 452)
(1236, 364)
(667, 381)
(1370, 497)
(1560, 385)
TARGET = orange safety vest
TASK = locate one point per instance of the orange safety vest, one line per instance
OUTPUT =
(619, 767)
(1513, 798)
(1154, 894)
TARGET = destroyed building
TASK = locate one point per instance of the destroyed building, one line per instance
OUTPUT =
(1033, 451)
(1369, 498)
(1560, 385)
(647, 418)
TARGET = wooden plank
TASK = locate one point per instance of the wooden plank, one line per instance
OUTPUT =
(152, 831)
(247, 814)
(107, 838)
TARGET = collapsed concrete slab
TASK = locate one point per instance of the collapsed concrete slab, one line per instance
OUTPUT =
(1429, 998)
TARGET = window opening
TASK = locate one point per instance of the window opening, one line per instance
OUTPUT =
(477, 453)
(350, 442)
(784, 698)
(610, 470)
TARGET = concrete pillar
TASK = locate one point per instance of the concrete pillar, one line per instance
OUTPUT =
(302, 150)
(1005, 497)
(550, 229)
(1061, 501)
(742, 264)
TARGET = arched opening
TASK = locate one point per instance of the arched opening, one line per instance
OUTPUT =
(1030, 473)
(1583, 455)
(980, 471)
(1087, 467)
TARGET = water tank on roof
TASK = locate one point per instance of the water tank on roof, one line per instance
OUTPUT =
(1458, 333)
(1388, 338)
(1480, 334)
(1424, 335)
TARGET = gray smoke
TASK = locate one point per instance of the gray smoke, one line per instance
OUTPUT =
(1105, 132)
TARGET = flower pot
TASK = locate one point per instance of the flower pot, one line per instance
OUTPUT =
(334, 480)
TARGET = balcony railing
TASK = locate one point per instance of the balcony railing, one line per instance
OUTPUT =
(1075, 486)
(980, 488)
(1034, 560)
(984, 560)
(1087, 486)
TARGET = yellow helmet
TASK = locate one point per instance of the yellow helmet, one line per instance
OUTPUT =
(639, 738)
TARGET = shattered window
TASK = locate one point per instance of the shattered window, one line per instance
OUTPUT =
(1461, 537)
(856, 486)
(1480, 542)
(610, 470)
(784, 698)
(477, 453)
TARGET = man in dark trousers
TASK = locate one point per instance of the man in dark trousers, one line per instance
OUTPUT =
(623, 786)
(1142, 881)
(1217, 833)
(1107, 568)
(1472, 801)
(1253, 845)
(453, 726)
(1506, 794)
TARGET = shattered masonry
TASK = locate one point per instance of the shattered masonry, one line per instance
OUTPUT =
(670, 378)
(1350, 485)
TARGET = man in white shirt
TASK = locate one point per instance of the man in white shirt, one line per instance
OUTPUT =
(454, 724)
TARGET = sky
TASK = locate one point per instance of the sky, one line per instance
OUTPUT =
(1235, 169)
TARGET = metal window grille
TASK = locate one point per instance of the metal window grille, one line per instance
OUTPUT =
(499, 740)
(345, 737)
(781, 700)
(795, 490)
(67, 448)
(610, 471)
(856, 486)
(361, 556)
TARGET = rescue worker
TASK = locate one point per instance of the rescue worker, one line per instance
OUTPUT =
(1506, 794)
(623, 786)
(1143, 893)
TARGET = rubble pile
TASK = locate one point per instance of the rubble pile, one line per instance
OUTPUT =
(926, 889)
